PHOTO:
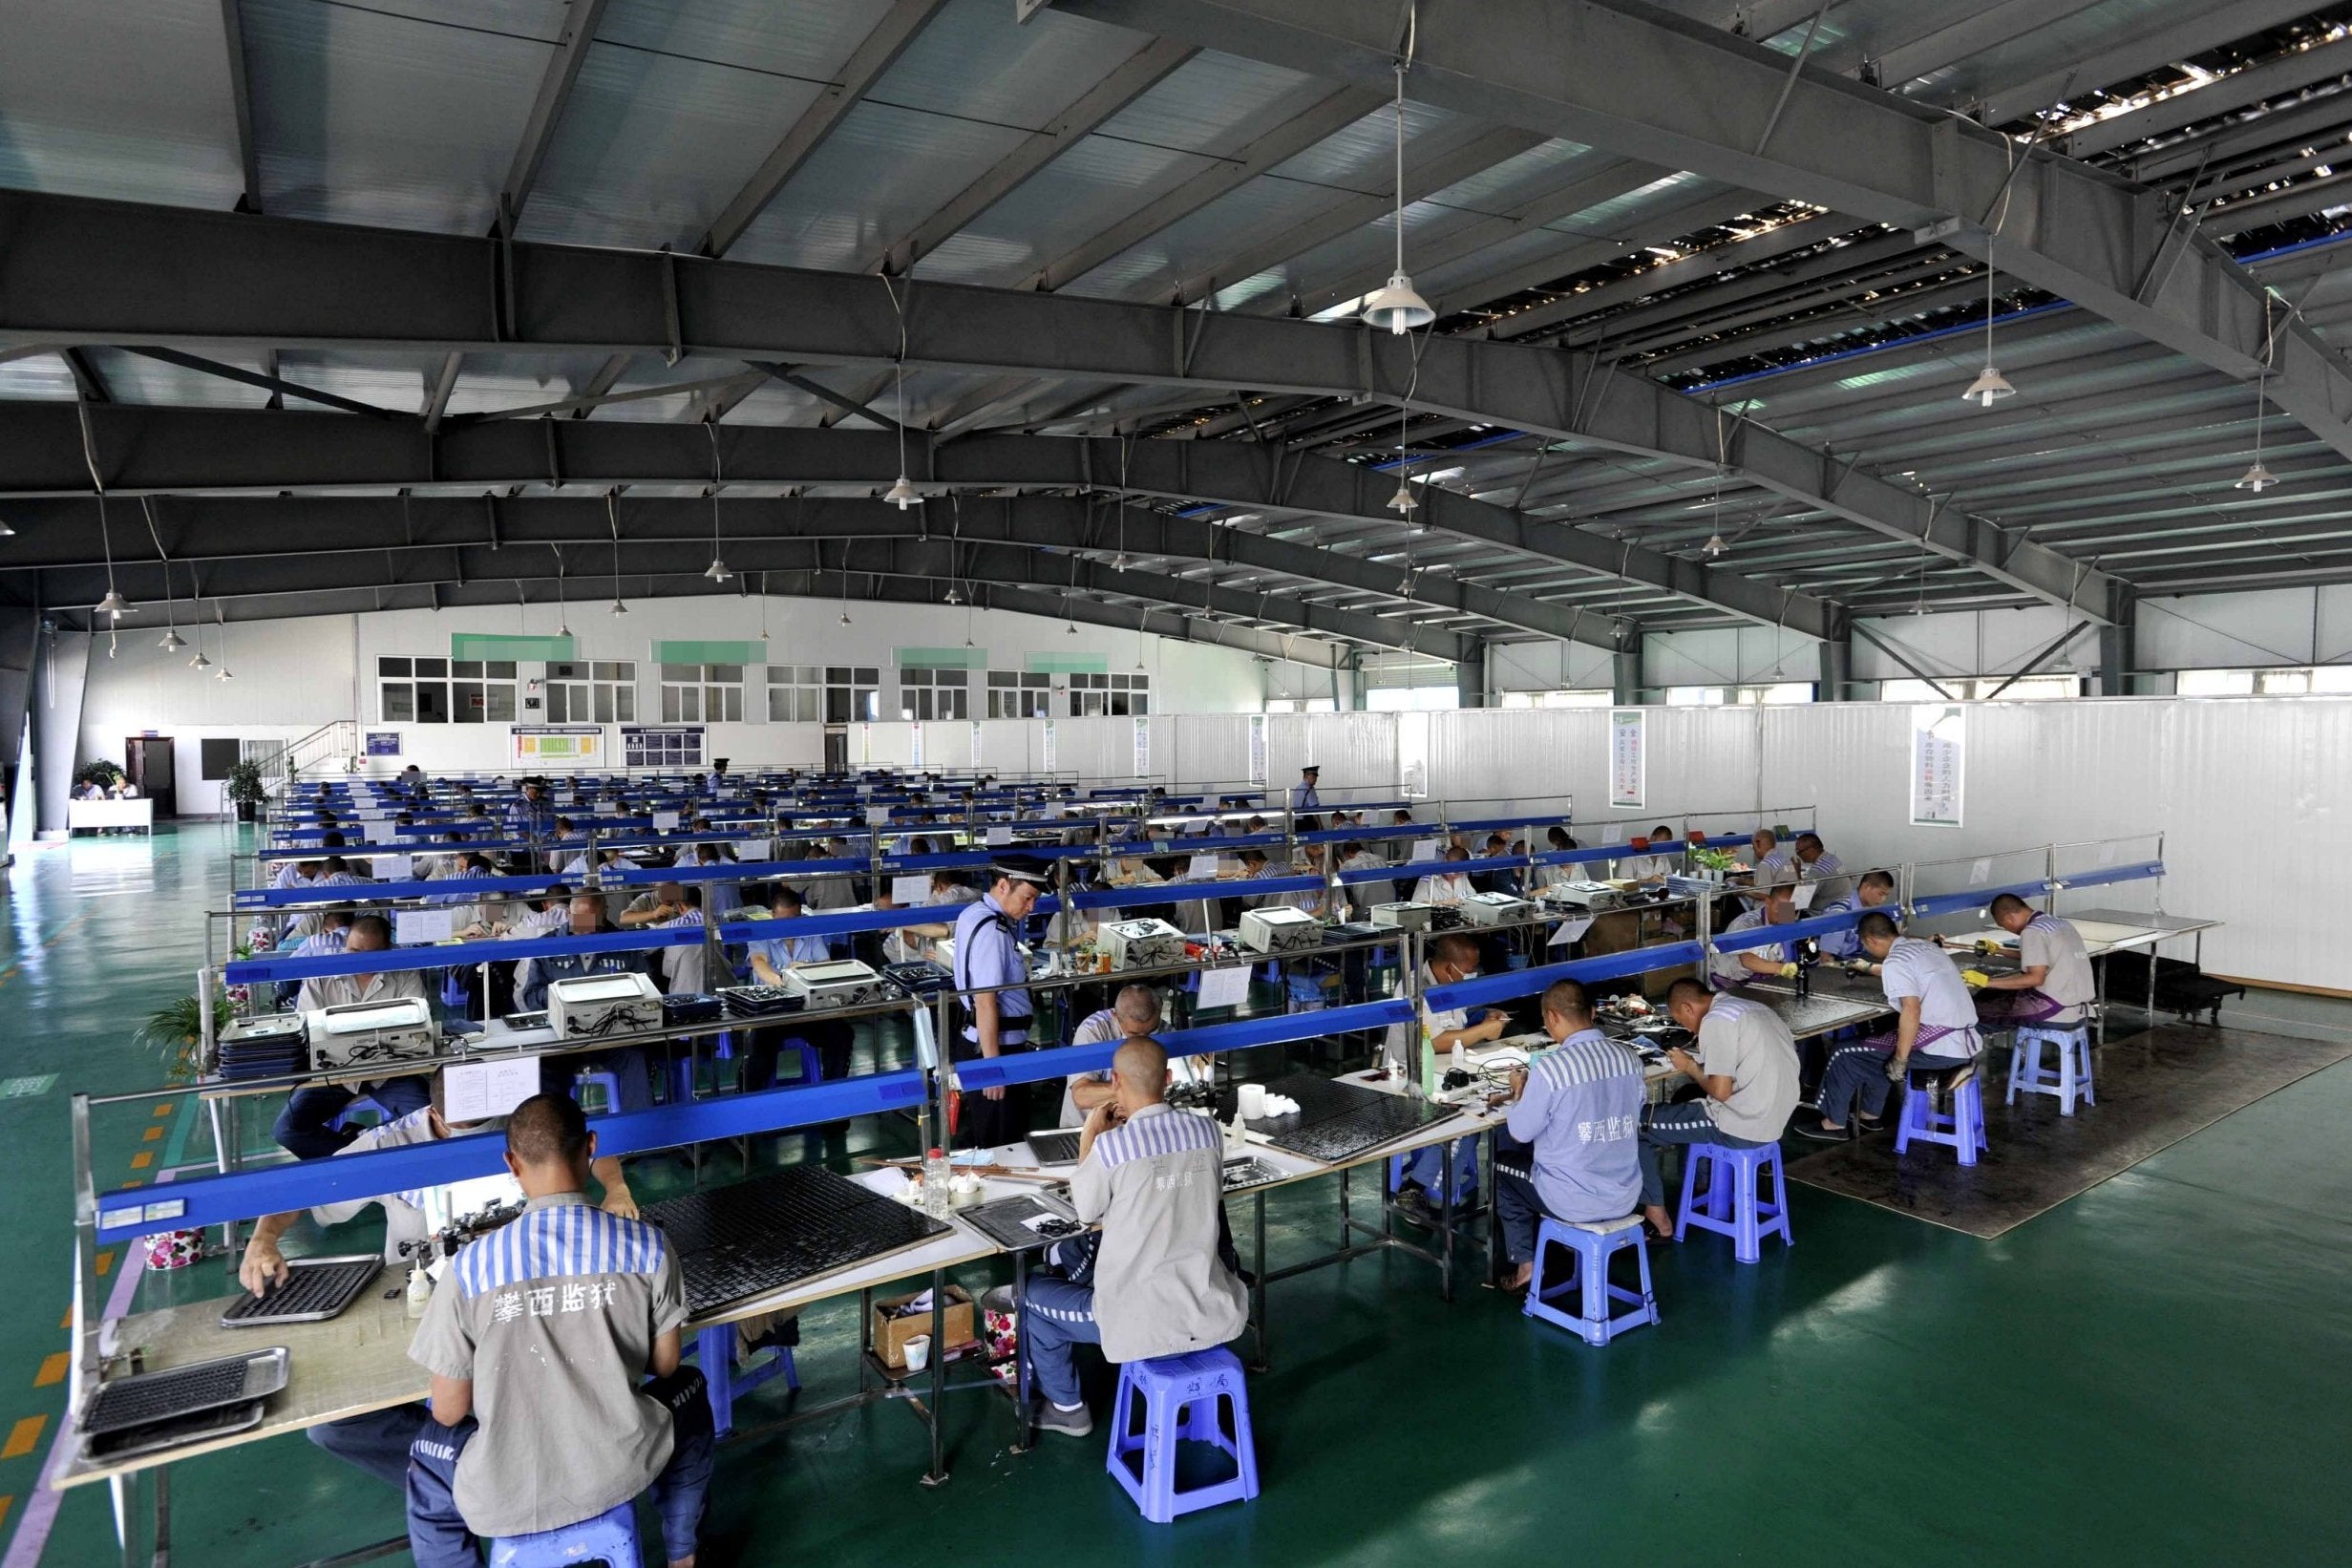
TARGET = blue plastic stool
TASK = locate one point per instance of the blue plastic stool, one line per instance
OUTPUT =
(2068, 1079)
(727, 1380)
(1180, 1397)
(606, 1083)
(1961, 1129)
(812, 1068)
(349, 1118)
(1732, 1203)
(1580, 1302)
(609, 1539)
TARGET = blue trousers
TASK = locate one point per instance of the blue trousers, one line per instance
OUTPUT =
(1056, 1316)
(302, 1128)
(438, 1533)
(1857, 1074)
(377, 1442)
(1665, 1124)
(1427, 1167)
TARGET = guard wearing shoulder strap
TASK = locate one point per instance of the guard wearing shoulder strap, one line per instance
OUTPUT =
(995, 1023)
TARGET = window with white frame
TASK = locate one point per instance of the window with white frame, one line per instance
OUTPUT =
(1981, 688)
(1739, 696)
(929, 694)
(852, 693)
(702, 693)
(1018, 694)
(1094, 696)
(1601, 698)
(585, 691)
(2320, 680)
(427, 690)
(795, 693)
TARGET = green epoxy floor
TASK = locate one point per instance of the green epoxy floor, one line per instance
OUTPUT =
(2157, 1371)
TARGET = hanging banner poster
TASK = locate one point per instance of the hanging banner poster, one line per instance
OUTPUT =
(974, 758)
(540, 744)
(914, 742)
(1628, 769)
(1049, 751)
(1143, 748)
(1257, 749)
(1939, 763)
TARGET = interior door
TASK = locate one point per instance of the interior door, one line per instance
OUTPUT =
(150, 758)
(837, 750)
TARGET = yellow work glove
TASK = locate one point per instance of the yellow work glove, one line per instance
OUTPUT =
(1976, 977)
(1788, 972)
(1986, 945)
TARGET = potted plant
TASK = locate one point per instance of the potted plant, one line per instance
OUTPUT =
(245, 789)
(103, 773)
(177, 1033)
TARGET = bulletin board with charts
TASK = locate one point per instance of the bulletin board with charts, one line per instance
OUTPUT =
(662, 746)
(540, 745)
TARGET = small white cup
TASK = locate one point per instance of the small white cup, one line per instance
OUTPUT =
(1253, 1101)
(919, 1352)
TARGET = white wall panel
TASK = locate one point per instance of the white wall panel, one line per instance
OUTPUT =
(1356, 751)
(2243, 630)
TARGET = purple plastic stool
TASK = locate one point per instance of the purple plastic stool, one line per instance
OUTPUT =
(1180, 1397)
(609, 1539)
(1732, 1203)
(1961, 1129)
(1580, 1302)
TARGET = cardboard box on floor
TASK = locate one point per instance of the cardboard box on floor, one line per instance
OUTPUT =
(891, 1334)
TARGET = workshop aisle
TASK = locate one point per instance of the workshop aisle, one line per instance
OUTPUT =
(2121, 1380)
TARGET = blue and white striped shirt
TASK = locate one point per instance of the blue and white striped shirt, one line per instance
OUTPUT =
(1580, 1116)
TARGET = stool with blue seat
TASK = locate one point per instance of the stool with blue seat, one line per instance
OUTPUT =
(1183, 1397)
(1580, 1302)
(605, 1082)
(609, 1539)
(1961, 1129)
(2067, 1076)
(1729, 1200)
(727, 1380)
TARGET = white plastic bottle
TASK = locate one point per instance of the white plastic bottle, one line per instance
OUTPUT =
(937, 1199)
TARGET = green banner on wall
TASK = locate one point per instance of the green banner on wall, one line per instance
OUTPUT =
(1069, 664)
(479, 645)
(942, 658)
(709, 654)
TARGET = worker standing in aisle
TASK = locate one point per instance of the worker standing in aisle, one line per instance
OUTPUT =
(996, 1023)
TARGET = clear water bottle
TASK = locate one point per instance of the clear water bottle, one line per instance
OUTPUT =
(936, 1176)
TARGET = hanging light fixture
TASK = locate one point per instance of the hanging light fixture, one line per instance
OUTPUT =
(844, 582)
(1715, 544)
(564, 626)
(716, 571)
(1990, 386)
(196, 625)
(902, 493)
(612, 516)
(967, 621)
(114, 603)
(221, 620)
(1402, 503)
(1397, 308)
(2259, 479)
(171, 641)
(953, 598)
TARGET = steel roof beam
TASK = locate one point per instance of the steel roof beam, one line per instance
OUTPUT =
(864, 66)
(1128, 80)
(189, 452)
(360, 529)
(1325, 118)
(581, 19)
(76, 271)
(1644, 83)
(240, 101)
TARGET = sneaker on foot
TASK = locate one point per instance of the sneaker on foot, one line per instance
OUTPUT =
(1820, 1131)
(1077, 1423)
(996, 1298)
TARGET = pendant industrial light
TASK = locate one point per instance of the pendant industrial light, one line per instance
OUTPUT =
(196, 625)
(1990, 386)
(716, 571)
(171, 641)
(1397, 308)
(2259, 479)
(612, 516)
(221, 617)
(844, 583)
(1715, 544)
(564, 618)
(114, 603)
(902, 492)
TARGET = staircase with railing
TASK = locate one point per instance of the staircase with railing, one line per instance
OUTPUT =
(329, 747)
